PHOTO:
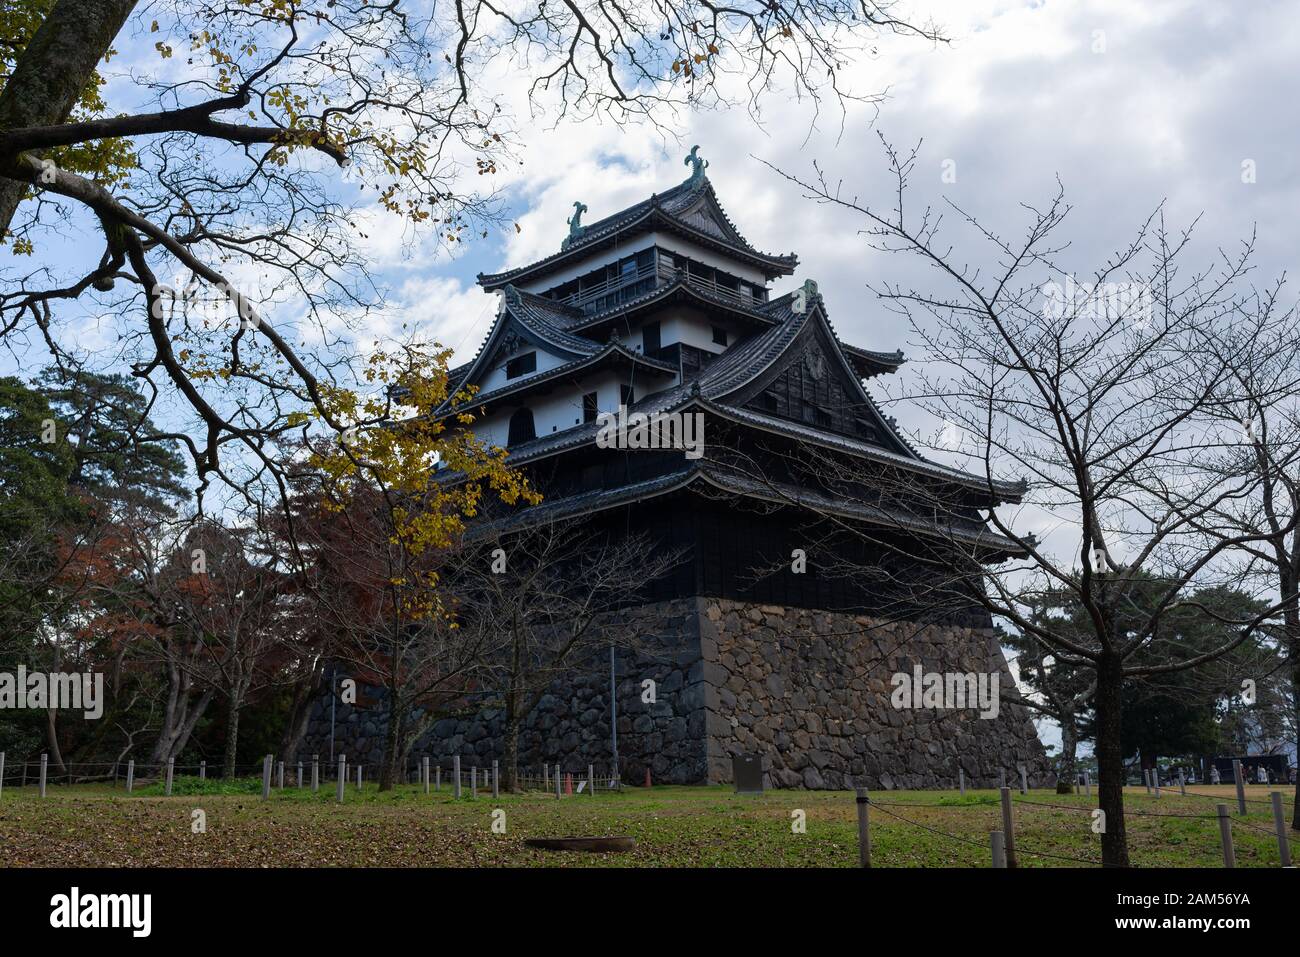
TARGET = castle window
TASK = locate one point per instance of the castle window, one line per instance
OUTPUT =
(521, 427)
(521, 365)
(719, 336)
(589, 407)
(650, 337)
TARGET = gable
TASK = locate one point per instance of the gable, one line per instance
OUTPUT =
(812, 384)
(512, 339)
(707, 216)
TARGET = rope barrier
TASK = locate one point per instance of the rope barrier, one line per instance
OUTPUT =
(964, 840)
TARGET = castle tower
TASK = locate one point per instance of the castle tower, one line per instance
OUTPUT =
(664, 308)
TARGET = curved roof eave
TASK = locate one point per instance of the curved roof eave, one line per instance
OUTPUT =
(771, 264)
(612, 350)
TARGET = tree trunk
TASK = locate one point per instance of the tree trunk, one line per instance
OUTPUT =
(304, 697)
(172, 709)
(187, 728)
(388, 771)
(511, 743)
(1295, 704)
(1110, 760)
(233, 708)
(1067, 774)
(51, 73)
(52, 739)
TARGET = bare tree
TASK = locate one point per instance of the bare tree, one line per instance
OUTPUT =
(543, 602)
(226, 172)
(390, 630)
(235, 611)
(1088, 393)
(1259, 422)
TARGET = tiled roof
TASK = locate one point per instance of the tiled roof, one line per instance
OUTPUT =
(670, 206)
(731, 371)
(610, 350)
(697, 475)
(546, 319)
(678, 288)
(550, 320)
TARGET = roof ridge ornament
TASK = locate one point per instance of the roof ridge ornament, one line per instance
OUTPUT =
(698, 166)
(804, 296)
(509, 295)
(574, 222)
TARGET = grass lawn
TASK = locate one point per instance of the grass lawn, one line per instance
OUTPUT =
(97, 825)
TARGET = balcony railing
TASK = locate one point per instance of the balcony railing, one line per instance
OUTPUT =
(592, 298)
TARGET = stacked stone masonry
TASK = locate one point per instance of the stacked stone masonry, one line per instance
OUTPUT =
(810, 691)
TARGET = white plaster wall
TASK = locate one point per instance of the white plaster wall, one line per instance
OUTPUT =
(676, 244)
(562, 409)
(601, 258)
(495, 376)
(694, 328)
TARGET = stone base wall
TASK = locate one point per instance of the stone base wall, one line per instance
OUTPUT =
(808, 690)
(571, 723)
(811, 691)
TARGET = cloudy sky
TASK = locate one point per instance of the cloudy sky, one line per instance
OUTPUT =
(1187, 102)
(1129, 104)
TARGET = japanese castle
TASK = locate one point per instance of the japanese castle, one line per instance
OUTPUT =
(665, 308)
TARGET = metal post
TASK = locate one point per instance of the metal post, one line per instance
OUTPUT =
(315, 772)
(266, 777)
(591, 780)
(455, 773)
(359, 766)
(1024, 780)
(1279, 824)
(613, 711)
(424, 768)
(1087, 784)
(558, 792)
(1155, 780)
(343, 776)
(999, 849)
(203, 770)
(864, 828)
(1146, 778)
(496, 780)
(1225, 834)
(437, 777)
(130, 775)
(1241, 786)
(45, 763)
(334, 700)
(961, 781)
(1002, 778)
(473, 781)
(279, 771)
(1008, 828)
(171, 769)
(546, 776)
(299, 782)
(1182, 783)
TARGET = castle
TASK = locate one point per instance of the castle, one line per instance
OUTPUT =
(664, 309)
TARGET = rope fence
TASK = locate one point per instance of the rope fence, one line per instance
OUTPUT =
(459, 779)
(1004, 847)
